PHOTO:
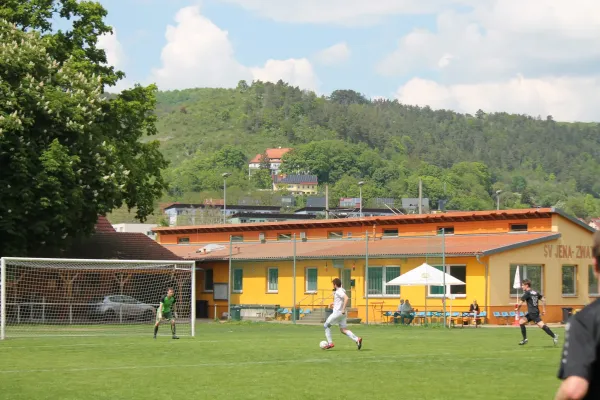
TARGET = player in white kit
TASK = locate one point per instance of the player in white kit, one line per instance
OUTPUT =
(340, 299)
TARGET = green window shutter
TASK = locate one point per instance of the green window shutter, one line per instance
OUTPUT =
(592, 280)
(273, 279)
(375, 281)
(311, 280)
(238, 278)
(436, 290)
(208, 279)
(392, 273)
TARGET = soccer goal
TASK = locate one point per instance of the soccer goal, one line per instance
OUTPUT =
(71, 297)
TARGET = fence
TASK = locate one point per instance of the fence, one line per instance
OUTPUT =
(291, 277)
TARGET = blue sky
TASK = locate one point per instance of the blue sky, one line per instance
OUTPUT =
(537, 57)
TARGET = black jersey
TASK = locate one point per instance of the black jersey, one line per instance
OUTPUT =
(581, 352)
(533, 301)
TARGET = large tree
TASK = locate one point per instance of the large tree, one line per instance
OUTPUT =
(67, 152)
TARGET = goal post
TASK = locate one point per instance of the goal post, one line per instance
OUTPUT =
(84, 297)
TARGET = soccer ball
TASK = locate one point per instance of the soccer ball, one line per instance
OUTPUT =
(323, 344)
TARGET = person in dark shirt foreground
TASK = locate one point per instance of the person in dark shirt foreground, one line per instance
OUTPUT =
(579, 369)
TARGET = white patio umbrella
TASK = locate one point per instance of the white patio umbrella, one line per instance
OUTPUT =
(426, 275)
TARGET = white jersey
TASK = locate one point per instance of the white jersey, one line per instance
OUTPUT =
(338, 299)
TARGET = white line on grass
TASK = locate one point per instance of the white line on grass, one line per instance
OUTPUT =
(127, 344)
(189, 340)
(374, 359)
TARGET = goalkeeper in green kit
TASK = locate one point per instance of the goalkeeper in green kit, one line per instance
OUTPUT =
(166, 312)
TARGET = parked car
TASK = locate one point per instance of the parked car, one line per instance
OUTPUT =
(120, 307)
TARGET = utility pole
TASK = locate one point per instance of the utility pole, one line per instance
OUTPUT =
(420, 196)
(326, 201)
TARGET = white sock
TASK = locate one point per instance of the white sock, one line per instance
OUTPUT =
(352, 336)
(328, 335)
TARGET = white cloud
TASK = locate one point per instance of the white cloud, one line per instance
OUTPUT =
(565, 98)
(334, 55)
(346, 12)
(297, 72)
(199, 54)
(479, 56)
(502, 38)
(115, 55)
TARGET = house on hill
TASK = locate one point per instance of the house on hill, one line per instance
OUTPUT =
(275, 160)
(296, 184)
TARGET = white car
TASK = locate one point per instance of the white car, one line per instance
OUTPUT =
(121, 307)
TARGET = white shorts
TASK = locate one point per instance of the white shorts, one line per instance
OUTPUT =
(337, 318)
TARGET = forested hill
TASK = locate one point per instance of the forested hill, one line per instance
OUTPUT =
(344, 138)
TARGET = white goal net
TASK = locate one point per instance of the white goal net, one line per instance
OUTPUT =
(60, 297)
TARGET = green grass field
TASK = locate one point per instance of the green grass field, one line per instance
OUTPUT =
(276, 361)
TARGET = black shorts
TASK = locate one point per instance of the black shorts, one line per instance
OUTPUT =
(533, 318)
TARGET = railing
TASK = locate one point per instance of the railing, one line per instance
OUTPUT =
(315, 302)
(70, 313)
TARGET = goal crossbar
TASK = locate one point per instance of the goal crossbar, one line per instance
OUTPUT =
(58, 296)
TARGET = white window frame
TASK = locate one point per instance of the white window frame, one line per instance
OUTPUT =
(448, 287)
(510, 228)
(439, 230)
(237, 236)
(574, 267)
(233, 281)
(284, 237)
(384, 234)
(306, 280)
(524, 276)
(383, 275)
(333, 235)
(269, 290)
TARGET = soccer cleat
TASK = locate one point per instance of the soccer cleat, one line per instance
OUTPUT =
(555, 339)
(175, 337)
(329, 346)
(154, 336)
(523, 342)
(359, 343)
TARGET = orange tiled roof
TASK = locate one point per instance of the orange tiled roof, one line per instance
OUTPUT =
(369, 221)
(120, 246)
(273, 154)
(455, 245)
(103, 225)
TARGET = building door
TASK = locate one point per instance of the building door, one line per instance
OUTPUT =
(346, 277)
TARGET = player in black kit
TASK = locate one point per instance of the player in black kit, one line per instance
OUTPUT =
(533, 298)
(579, 365)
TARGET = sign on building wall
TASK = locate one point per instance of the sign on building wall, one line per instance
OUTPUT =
(567, 251)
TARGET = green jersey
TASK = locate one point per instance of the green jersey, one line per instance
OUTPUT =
(167, 304)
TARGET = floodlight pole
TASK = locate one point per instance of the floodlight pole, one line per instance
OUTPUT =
(367, 275)
(360, 185)
(229, 282)
(294, 281)
(225, 175)
(444, 270)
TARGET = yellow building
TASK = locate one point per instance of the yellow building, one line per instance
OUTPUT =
(483, 249)
(296, 184)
